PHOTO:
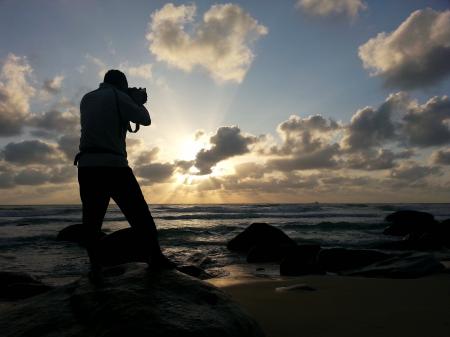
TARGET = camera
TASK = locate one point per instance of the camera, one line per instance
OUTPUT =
(139, 95)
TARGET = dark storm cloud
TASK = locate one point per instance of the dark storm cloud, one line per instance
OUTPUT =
(31, 152)
(226, 143)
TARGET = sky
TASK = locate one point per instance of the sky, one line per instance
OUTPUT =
(251, 101)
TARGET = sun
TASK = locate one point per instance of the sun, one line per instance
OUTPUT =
(188, 148)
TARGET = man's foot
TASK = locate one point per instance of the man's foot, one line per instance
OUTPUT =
(161, 262)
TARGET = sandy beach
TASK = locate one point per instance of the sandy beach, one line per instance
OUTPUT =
(346, 306)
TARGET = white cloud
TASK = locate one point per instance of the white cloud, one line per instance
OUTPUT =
(349, 8)
(221, 42)
(414, 55)
(143, 71)
(54, 85)
(15, 94)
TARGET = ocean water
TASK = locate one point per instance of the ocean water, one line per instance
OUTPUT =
(189, 233)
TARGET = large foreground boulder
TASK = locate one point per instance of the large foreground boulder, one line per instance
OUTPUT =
(408, 221)
(338, 259)
(407, 265)
(133, 302)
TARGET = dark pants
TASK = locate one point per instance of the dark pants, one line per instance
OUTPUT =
(97, 186)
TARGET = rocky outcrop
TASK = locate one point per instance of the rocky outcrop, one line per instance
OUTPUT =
(408, 265)
(122, 246)
(16, 286)
(134, 301)
(408, 221)
(338, 259)
(420, 231)
(73, 233)
(262, 243)
(301, 260)
(259, 234)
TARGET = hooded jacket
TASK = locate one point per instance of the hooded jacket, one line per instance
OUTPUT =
(104, 128)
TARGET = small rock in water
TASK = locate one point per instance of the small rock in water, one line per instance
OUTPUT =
(300, 286)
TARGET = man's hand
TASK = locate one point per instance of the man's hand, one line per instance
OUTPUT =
(138, 96)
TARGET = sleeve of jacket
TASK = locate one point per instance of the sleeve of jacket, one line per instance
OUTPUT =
(132, 112)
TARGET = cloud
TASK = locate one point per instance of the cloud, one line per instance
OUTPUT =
(226, 143)
(155, 172)
(441, 157)
(53, 85)
(349, 8)
(68, 144)
(412, 172)
(142, 71)
(145, 157)
(15, 94)
(302, 135)
(31, 152)
(55, 121)
(380, 159)
(428, 124)
(400, 120)
(31, 176)
(221, 43)
(371, 127)
(323, 157)
(414, 55)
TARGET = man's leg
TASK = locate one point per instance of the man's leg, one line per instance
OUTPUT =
(95, 199)
(128, 196)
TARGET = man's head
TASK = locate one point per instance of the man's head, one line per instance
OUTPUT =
(116, 78)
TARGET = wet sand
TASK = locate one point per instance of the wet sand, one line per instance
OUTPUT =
(346, 306)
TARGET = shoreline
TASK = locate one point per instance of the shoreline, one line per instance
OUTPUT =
(345, 306)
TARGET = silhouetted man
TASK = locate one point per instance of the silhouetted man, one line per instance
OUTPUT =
(103, 170)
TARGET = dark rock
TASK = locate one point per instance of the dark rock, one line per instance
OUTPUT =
(339, 259)
(408, 265)
(437, 238)
(260, 234)
(301, 260)
(73, 233)
(194, 271)
(406, 222)
(122, 246)
(16, 286)
(133, 302)
(265, 252)
(200, 260)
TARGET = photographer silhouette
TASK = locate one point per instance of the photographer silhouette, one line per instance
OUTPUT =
(103, 171)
